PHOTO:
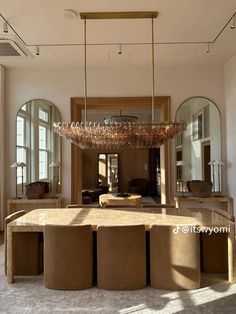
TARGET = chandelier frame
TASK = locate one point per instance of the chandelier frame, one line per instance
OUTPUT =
(89, 135)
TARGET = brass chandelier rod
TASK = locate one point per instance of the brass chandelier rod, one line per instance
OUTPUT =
(85, 71)
(153, 75)
(124, 133)
(118, 15)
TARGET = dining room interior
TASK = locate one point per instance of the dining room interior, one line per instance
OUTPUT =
(117, 156)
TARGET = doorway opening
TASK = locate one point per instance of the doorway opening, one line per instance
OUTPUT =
(155, 173)
(206, 158)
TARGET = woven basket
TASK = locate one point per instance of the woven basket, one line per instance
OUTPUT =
(200, 188)
(36, 190)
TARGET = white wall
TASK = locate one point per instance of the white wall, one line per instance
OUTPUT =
(58, 85)
(230, 103)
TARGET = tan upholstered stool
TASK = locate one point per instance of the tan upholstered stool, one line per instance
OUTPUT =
(174, 259)
(214, 253)
(121, 257)
(25, 249)
(68, 258)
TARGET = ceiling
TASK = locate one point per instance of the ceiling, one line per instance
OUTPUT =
(42, 23)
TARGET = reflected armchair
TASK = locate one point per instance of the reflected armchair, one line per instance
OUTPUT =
(139, 186)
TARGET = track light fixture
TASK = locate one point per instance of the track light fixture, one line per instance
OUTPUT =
(208, 48)
(233, 22)
(37, 50)
(5, 27)
(120, 50)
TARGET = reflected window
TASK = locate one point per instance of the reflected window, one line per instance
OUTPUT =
(36, 144)
(108, 171)
(43, 114)
(23, 126)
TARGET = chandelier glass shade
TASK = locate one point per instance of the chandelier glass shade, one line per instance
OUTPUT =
(119, 119)
(118, 135)
(121, 131)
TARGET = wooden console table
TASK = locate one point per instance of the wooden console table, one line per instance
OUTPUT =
(225, 203)
(12, 203)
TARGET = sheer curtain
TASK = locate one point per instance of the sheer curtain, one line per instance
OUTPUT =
(2, 148)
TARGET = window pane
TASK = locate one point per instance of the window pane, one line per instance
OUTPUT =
(20, 129)
(42, 137)
(43, 164)
(24, 108)
(43, 114)
(21, 153)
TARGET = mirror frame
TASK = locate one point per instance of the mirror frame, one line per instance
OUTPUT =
(220, 129)
(60, 168)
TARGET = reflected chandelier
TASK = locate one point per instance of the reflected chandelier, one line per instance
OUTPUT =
(115, 133)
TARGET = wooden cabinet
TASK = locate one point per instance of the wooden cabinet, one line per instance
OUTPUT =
(222, 204)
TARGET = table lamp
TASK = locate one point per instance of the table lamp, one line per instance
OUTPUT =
(53, 165)
(19, 165)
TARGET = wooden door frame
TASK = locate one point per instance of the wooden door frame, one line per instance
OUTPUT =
(76, 107)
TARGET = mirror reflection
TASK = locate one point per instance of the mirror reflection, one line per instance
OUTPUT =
(37, 146)
(198, 148)
(108, 171)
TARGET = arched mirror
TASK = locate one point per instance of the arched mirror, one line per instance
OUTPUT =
(198, 148)
(38, 148)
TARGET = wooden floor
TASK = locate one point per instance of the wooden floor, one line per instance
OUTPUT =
(1, 238)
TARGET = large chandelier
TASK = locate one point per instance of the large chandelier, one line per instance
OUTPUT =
(118, 131)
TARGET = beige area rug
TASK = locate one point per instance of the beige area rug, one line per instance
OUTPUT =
(28, 295)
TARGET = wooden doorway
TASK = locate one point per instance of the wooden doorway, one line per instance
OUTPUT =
(77, 105)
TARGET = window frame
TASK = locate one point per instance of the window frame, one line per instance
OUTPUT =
(24, 114)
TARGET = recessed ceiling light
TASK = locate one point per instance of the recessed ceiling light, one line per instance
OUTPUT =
(70, 14)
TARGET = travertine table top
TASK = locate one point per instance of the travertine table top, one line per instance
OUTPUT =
(36, 219)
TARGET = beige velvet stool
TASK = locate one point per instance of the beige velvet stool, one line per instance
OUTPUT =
(214, 253)
(68, 257)
(174, 259)
(121, 257)
(26, 259)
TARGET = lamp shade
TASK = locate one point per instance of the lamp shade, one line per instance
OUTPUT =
(22, 164)
(18, 164)
(54, 164)
(219, 163)
(211, 163)
(15, 165)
